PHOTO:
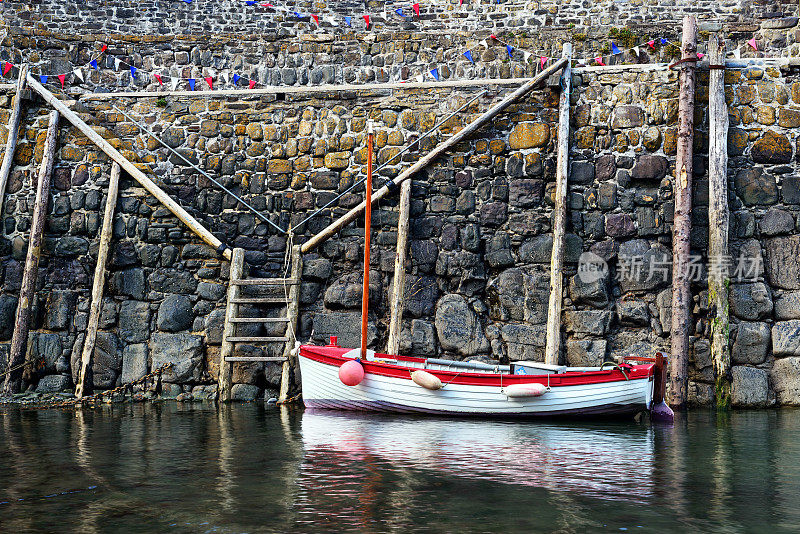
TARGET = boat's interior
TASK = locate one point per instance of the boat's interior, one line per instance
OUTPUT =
(517, 368)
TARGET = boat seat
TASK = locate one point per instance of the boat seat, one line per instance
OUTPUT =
(538, 368)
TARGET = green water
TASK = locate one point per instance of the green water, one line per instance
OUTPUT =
(247, 468)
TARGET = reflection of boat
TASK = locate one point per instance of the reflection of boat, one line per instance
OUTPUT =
(417, 385)
(592, 460)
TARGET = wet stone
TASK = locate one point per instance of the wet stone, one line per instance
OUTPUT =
(773, 148)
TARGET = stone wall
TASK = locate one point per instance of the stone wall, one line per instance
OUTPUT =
(481, 216)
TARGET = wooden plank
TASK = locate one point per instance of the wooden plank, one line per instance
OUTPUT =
(257, 339)
(13, 134)
(19, 339)
(224, 382)
(255, 359)
(292, 312)
(267, 282)
(99, 279)
(553, 333)
(718, 221)
(259, 319)
(176, 209)
(682, 226)
(259, 300)
(397, 300)
(440, 149)
(367, 238)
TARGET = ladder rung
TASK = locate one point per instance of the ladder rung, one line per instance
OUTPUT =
(255, 359)
(264, 281)
(258, 319)
(248, 339)
(259, 300)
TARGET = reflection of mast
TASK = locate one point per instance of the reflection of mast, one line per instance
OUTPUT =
(11, 434)
(292, 467)
(722, 482)
(225, 480)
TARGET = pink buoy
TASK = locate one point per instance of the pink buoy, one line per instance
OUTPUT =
(351, 373)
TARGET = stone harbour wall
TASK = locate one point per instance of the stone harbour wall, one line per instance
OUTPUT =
(481, 216)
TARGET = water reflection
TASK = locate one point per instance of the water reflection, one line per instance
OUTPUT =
(196, 468)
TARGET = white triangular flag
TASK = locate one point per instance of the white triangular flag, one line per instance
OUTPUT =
(226, 77)
(420, 78)
(636, 50)
(737, 53)
(526, 56)
(78, 74)
(174, 82)
(117, 61)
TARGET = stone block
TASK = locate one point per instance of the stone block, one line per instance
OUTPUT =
(772, 148)
(529, 135)
(749, 387)
(750, 301)
(752, 342)
(642, 268)
(346, 326)
(8, 310)
(519, 295)
(581, 172)
(319, 269)
(776, 222)
(786, 338)
(595, 322)
(627, 117)
(650, 168)
(244, 392)
(790, 189)
(585, 352)
(183, 351)
(620, 225)
(589, 290)
(633, 313)
(785, 378)
(54, 384)
(418, 340)
(175, 314)
(787, 306)
(525, 192)
(755, 187)
(134, 362)
(134, 321)
(524, 341)
(458, 328)
(783, 261)
(106, 360)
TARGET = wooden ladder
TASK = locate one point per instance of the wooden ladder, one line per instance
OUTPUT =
(237, 296)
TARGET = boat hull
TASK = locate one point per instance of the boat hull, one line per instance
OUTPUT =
(385, 389)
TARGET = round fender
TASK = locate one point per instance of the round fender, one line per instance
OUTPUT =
(351, 373)
(534, 389)
(426, 380)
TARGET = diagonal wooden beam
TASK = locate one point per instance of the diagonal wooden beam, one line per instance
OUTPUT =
(13, 133)
(440, 149)
(176, 209)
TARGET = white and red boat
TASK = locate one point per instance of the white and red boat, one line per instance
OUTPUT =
(407, 384)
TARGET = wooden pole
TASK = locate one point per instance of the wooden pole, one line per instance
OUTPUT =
(367, 235)
(718, 218)
(99, 280)
(397, 301)
(553, 341)
(292, 310)
(13, 134)
(426, 160)
(176, 209)
(682, 226)
(19, 339)
(224, 382)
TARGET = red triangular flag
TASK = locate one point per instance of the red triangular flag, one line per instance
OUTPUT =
(6, 67)
(652, 44)
(252, 83)
(316, 18)
(543, 60)
(416, 9)
(61, 78)
(366, 19)
(752, 42)
(103, 48)
(210, 81)
(158, 77)
(599, 60)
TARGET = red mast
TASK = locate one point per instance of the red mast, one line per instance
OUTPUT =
(367, 226)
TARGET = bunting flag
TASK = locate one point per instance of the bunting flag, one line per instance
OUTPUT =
(93, 63)
(250, 2)
(133, 72)
(236, 79)
(652, 44)
(510, 50)
(316, 19)
(117, 61)
(6, 67)
(210, 81)
(435, 74)
(636, 50)
(191, 83)
(493, 36)
(399, 11)
(737, 53)
(188, 1)
(416, 9)
(663, 41)
(599, 60)
(174, 83)
(251, 84)
(226, 78)
(78, 74)
(420, 78)
(615, 49)
(103, 48)
(267, 5)
(461, 2)
(752, 42)
(468, 55)
(366, 19)
(43, 79)
(158, 78)
(347, 21)
(61, 78)
(543, 60)
(526, 56)
(700, 55)
(298, 15)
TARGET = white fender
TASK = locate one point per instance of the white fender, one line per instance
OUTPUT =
(426, 380)
(534, 389)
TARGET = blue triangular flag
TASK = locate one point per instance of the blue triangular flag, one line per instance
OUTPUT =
(510, 50)
(188, 1)
(663, 41)
(468, 55)
(298, 15)
(615, 49)
(399, 11)
(133, 71)
(191, 84)
(435, 74)
(251, 2)
(43, 79)
(236, 79)
(347, 20)
(93, 63)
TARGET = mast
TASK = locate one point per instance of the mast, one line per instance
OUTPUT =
(367, 227)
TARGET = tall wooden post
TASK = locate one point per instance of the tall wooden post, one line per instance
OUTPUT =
(224, 383)
(13, 134)
(99, 280)
(718, 276)
(292, 310)
(19, 339)
(397, 298)
(367, 236)
(553, 342)
(682, 226)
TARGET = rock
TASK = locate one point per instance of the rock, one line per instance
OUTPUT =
(700, 360)
(585, 352)
(627, 117)
(776, 222)
(587, 322)
(106, 360)
(620, 225)
(170, 391)
(71, 246)
(605, 168)
(494, 214)
(787, 306)
(539, 249)
(581, 172)
(752, 342)
(8, 310)
(748, 262)
(589, 290)
(751, 302)
(54, 384)
(134, 321)
(345, 291)
(458, 327)
(244, 392)
(319, 269)
(772, 147)
(783, 261)
(215, 323)
(345, 326)
(651, 168)
(633, 313)
(60, 309)
(525, 192)
(519, 295)
(523, 341)
(785, 378)
(172, 281)
(46, 349)
(129, 282)
(664, 304)
(498, 250)
(421, 293)
(175, 314)
(211, 291)
(183, 351)
(749, 387)
(419, 340)
(786, 338)
(134, 362)
(642, 268)
(529, 135)
(700, 394)
(755, 187)
(790, 189)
